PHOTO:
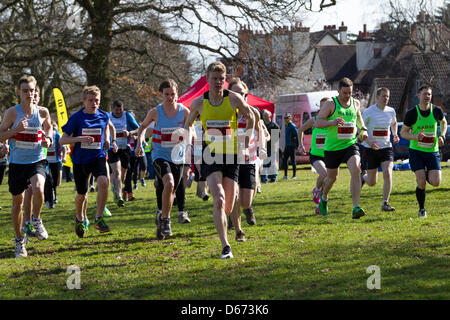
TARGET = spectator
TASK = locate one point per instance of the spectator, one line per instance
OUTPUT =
(270, 166)
(291, 144)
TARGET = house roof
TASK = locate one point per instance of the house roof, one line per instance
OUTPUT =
(338, 61)
(396, 87)
(432, 66)
(315, 37)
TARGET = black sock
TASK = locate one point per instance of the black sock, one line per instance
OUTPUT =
(420, 195)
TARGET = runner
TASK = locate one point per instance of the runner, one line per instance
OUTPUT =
(247, 167)
(197, 138)
(125, 125)
(420, 126)
(86, 129)
(218, 113)
(316, 157)
(340, 117)
(167, 153)
(54, 158)
(380, 119)
(29, 130)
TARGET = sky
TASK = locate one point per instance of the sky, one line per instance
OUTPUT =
(356, 13)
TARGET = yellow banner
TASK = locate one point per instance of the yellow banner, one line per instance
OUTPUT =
(61, 111)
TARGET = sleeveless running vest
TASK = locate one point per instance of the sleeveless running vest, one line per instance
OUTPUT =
(339, 138)
(252, 145)
(121, 125)
(25, 146)
(318, 141)
(219, 125)
(54, 152)
(163, 145)
(429, 125)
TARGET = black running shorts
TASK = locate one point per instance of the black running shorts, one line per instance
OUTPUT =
(374, 158)
(82, 173)
(333, 159)
(122, 154)
(247, 176)
(20, 174)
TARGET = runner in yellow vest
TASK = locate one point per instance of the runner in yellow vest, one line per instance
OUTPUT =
(218, 113)
(420, 126)
(340, 117)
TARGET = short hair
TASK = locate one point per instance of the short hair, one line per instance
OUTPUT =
(235, 81)
(383, 89)
(117, 103)
(94, 90)
(265, 111)
(26, 79)
(168, 83)
(345, 82)
(324, 99)
(288, 115)
(216, 67)
(424, 86)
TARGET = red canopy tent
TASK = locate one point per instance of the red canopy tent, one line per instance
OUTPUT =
(201, 86)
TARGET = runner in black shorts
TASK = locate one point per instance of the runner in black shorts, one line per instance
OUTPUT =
(420, 127)
(218, 113)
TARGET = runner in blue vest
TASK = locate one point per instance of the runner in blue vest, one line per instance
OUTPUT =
(167, 152)
(29, 130)
(86, 130)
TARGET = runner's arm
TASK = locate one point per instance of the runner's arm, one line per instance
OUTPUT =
(5, 127)
(152, 115)
(443, 124)
(324, 113)
(407, 134)
(307, 125)
(363, 134)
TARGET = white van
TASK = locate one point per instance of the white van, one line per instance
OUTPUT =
(302, 106)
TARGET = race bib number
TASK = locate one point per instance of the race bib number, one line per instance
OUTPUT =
(167, 141)
(29, 139)
(428, 140)
(95, 133)
(320, 140)
(218, 130)
(380, 133)
(346, 132)
(122, 140)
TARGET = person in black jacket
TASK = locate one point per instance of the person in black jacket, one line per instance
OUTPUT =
(270, 163)
(291, 144)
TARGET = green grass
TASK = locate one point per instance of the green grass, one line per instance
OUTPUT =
(290, 254)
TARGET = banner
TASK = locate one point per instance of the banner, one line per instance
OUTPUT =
(61, 111)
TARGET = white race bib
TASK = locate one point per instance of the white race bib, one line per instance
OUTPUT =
(29, 139)
(95, 133)
(428, 140)
(346, 132)
(218, 130)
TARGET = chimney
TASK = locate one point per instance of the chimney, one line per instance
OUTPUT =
(364, 36)
(343, 33)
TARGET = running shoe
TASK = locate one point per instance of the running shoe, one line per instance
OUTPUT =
(323, 206)
(135, 187)
(143, 183)
(49, 205)
(250, 216)
(205, 197)
(226, 253)
(422, 213)
(240, 237)
(316, 195)
(106, 212)
(80, 229)
(29, 230)
(358, 212)
(285, 178)
(86, 224)
(189, 180)
(318, 210)
(21, 251)
(118, 200)
(91, 188)
(166, 230)
(386, 207)
(293, 178)
(131, 197)
(158, 222)
(101, 225)
(362, 179)
(41, 233)
(125, 196)
(183, 217)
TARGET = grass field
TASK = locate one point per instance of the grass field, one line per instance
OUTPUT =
(290, 254)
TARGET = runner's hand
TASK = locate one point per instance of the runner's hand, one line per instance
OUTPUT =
(441, 142)
(420, 136)
(46, 142)
(138, 151)
(115, 147)
(22, 125)
(363, 135)
(339, 122)
(86, 139)
(396, 139)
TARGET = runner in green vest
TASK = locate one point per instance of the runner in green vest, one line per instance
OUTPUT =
(420, 126)
(316, 157)
(340, 118)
